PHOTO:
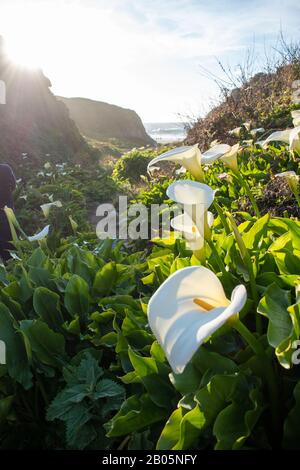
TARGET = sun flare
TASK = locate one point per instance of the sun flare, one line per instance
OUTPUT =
(25, 53)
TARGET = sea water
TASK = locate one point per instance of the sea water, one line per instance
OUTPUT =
(166, 132)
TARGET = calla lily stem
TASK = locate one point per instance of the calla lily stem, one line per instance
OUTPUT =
(218, 259)
(271, 380)
(249, 337)
(248, 263)
(244, 184)
(222, 217)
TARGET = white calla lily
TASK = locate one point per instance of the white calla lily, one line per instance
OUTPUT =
(188, 156)
(46, 207)
(296, 117)
(230, 158)
(41, 235)
(195, 198)
(258, 130)
(210, 219)
(193, 234)
(191, 193)
(236, 132)
(293, 181)
(295, 139)
(287, 174)
(187, 309)
(288, 136)
(214, 153)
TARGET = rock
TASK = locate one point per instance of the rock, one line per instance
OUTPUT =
(32, 121)
(103, 121)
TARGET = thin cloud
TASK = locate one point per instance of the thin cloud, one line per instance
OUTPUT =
(145, 54)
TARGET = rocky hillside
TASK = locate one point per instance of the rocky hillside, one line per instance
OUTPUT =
(33, 123)
(264, 100)
(103, 121)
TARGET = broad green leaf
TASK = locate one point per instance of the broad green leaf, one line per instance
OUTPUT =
(171, 432)
(47, 305)
(77, 297)
(291, 432)
(155, 378)
(135, 414)
(108, 388)
(235, 423)
(5, 407)
(105, 279)
(284, 322)
(16, 357)
(252, 237)
(37, 258)
(48, 346)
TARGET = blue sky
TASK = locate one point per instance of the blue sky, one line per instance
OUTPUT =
(143, 54)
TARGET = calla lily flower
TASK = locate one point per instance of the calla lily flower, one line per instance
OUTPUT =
(230, 158)
(188, 156)
(287, 174)
(226, 153)
(296, 117)
(236, 132)
(214, 153)
(15, 226)
(258, 130)
(191, 158)
(288, 136)
(41, 235)
(193, 234)
(293, 181)
(195, 198)
(46, 207)
(187, 309)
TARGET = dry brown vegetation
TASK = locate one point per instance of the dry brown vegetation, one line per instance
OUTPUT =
(263, 98)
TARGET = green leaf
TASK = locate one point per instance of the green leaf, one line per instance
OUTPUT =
(235, 423)
(77, 264)
(79, 434)
(47, 305)
(291, 433)
(185, 427)
(171, 432)
(188, 381)
(154, 376)
(37, 258)
(284, 322)
(253, 236)
(105, 279)
(77, 297)
(108, 388)
(135, 414)
(205, 361)
(48, 346)
(16, 357)
(5, 407)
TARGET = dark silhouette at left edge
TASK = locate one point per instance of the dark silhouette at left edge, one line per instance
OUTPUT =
(7, 187)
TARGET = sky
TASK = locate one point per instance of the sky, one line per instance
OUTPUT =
(146, 55)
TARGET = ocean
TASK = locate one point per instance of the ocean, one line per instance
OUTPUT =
(166, 132)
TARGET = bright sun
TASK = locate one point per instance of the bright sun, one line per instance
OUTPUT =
(26, 53)
(28, 32)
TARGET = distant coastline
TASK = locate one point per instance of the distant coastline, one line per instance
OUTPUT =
(166, 132)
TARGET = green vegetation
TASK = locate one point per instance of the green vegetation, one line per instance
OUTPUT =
(83, 369)
(82, 364)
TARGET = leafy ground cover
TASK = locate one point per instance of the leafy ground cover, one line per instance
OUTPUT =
(84, 370)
